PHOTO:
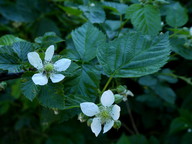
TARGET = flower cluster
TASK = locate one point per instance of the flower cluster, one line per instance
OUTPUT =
(106, 114)
(47, 69)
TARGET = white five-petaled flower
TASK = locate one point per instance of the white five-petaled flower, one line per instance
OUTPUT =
(47, 68)
(106, 114)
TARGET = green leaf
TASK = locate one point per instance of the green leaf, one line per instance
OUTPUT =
(11, 57)
(176, 15)
(84, 85)
(44, 25)
(123, 140)
(179, 124)
(138, 139)
(9, 62)
(165, 93)
(29, 89)
(117, 8)
(179, 48)
(134, 55)
(48, 39)
(132, 9)
(146, 19)
(22, 49)
(94, 14)
(9, 40)
(52, 96)
(86, 38)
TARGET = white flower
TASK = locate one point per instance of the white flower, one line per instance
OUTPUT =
(105, 115)
(47, 68)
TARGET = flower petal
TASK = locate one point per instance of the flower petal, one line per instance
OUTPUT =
(115, 113)
(56, 77)
(35, 60)
(49, 53)
(107, 98)
(96, 126)
(40, 79)
(108, 125)
(89, 108)
(62, 64)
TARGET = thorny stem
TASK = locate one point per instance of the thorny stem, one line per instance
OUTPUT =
(108, 82)
(131, 117)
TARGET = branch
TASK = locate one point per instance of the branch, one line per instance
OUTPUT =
(8, 76)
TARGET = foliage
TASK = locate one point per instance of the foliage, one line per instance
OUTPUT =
(143, 47)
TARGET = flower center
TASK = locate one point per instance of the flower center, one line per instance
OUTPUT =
(105, 114)
(48, 67)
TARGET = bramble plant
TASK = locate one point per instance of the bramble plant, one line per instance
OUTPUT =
(113, 64)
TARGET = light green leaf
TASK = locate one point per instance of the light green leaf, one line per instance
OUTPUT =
(86, 38)
(9, 40)
(134, 55)
(52, 96)
(94, 14)
(146, 19)
(176, 15)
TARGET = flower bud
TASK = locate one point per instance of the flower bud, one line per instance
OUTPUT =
(3, 85)
(121, 89)
(89, 121)
(82, 117)
(117, 124)
(118, 98)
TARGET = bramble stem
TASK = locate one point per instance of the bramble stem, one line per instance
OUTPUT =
(131, 117)
(108, 82)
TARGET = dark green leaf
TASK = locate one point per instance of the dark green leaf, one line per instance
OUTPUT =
(176, 15)
(86, 38)
(147, 19)
(9, 40)
(83, 86)
(134, 55)
(52, 96)
(94, 14)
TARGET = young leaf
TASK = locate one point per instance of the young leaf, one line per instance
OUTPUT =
(146, 19)
(134, 55)
(86, 38)
(176, 15)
